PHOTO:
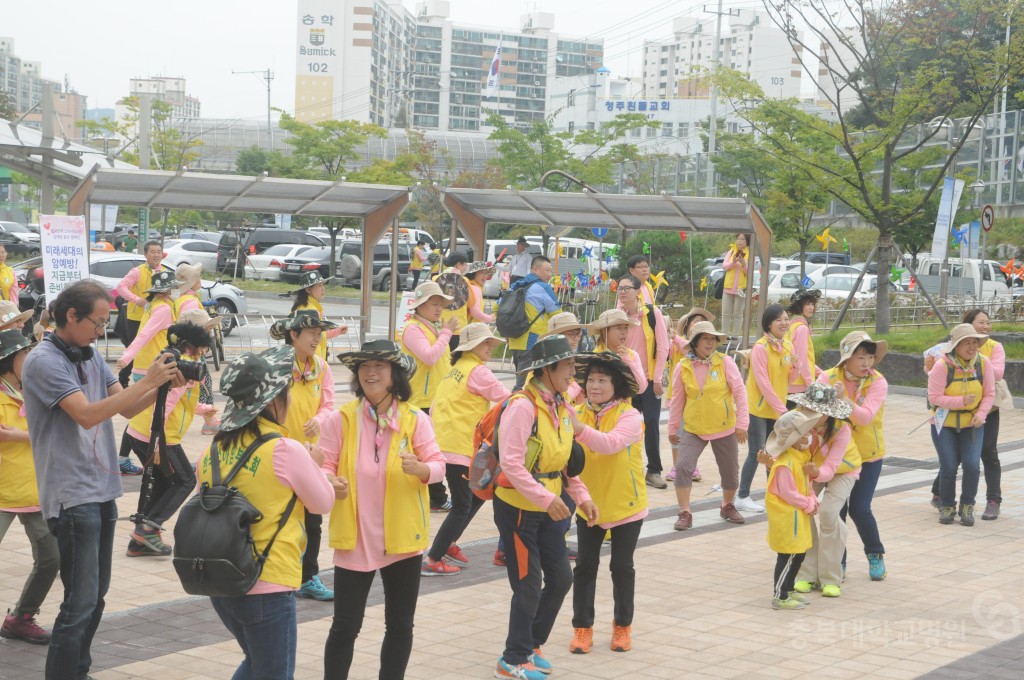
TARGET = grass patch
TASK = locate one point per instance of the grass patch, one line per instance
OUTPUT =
(917, 340)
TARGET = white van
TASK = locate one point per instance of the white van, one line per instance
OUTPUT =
(493, 286)
(980, 279)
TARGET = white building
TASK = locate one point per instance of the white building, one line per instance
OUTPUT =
(21, 78)
(170, 90)
(834, 69)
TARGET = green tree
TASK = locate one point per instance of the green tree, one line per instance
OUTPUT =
(434, 168)
(8, 111)
(668, 253)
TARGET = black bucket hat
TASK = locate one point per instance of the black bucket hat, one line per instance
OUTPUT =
(379, 350)
(547, 351)
(302, 318)
(800, 297)
(609, 361)
(164, 282)
(252, 381)
(310, 279)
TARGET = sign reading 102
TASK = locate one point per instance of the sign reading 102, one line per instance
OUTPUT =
(317, 66)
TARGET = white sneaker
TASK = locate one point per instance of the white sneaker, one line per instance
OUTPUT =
(748, 504)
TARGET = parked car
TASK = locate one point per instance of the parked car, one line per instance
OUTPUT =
(828, 270)
(190, 251)
(255, 241)
(838, 286)
(211, 236)
(823, 257)
(18, 247)
(19, 231)
(267, 265)
(975, 277)
(350, 264)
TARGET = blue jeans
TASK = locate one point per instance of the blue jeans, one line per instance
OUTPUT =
(85, 539)
(265, 628)
(953, 448)
(757, 435)
(859, 507)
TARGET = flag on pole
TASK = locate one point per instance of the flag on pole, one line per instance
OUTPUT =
(493, 88)
(806, 282)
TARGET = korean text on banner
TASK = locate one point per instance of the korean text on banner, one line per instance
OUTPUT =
(404, 312)
(65, 245)
(952, 189)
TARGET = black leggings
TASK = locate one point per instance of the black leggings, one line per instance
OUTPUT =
(787, 565)
(165, 486)
(314, 532)
(465, 504)
(401, 582)
(588, 560)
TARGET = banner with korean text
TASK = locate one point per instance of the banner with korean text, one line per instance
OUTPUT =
(65, 246)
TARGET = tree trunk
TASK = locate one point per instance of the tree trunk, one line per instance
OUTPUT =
(882, 309)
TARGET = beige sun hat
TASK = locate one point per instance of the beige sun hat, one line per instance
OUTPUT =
(697, 311)
(609, 318)
(199, 317)
(705, 328)
(791, 427)
(473, 334)
(855, 339)
(188, 274)
(10, 314)
(562, 322)
(962, 332)
(425, 291)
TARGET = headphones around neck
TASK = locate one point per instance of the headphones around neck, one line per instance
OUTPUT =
(74, 354)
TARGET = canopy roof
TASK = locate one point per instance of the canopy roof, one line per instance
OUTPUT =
(23, 148)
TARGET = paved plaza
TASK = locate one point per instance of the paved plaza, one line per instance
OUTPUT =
(951, 606)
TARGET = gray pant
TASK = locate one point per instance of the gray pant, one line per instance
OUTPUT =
(828, 534)
(726, 452)
(733, 307)
(45, 559)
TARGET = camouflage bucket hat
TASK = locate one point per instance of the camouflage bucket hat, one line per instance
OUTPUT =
(310, 279)
(252, 381)
(163, 282)
(379, 350)
(13, 340)
(302, 318)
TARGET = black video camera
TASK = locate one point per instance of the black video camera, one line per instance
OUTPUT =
(192, 370)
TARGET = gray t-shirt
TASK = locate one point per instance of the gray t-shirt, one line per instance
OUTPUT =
(74, 466)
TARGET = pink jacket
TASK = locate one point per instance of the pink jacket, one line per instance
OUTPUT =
(417, 342)
(700, 371)
(784, 486)
(937, 387)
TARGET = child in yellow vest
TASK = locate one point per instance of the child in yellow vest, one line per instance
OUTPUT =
(677, 351)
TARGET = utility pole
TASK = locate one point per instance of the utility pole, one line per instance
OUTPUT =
(717, 64)
(268, 76)
(46, 198)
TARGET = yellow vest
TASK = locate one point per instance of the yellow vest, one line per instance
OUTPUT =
(145, 282)
(425, 380)
(556, 441)
(314, 304)
(461, 315)
(305, 402)
(415, 263)
(963, 384)
(265, 491)
(406, 503)
(456, 410)
(7, 279)
(18, 488)
(178, 420)
(797, 321)
(851, 457)
(712, 408)
(151, 350)
(789, 528)
(615, 481)
(179, 303)
(730, 275)
(869, 438)
(986, 349)
(778, 375)
(648, 342)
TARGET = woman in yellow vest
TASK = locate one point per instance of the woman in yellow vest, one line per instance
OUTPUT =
(802, 305)
(709, 405)
(311, 290)
(169, 478)
(190, 280)
(455, 284)
(278, 470)
(859, 381)
(19, 494)
(312, 402)
(8, 280)
(961, 390)
(463, 398)
(611, 329)
(790, 502)
(536, 435)
(477, 273)
(734, 293)
(387, 452)
(157, 318)
(610, 431)
(772, 366)
(677, 350)
(419, 256)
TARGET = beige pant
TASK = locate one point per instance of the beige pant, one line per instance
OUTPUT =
(828, 533)
(732, 313)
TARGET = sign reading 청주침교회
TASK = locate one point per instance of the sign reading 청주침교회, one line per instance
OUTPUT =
(64, 241)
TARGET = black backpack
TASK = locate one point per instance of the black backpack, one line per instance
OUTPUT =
(214, 552)
(511, 319)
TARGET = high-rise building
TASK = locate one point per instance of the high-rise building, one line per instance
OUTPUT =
(378, 62)
(170, 90)
(750, 43)
(23, 81)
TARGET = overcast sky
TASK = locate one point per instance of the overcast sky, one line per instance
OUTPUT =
(99, 46)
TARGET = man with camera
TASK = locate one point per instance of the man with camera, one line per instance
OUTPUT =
(70, 397)
(155, 436)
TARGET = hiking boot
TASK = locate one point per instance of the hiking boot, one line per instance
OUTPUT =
(991, 510)
(684, 522)
(136, 549)
(538, 660)
(876, 566)
(523, 671)
(967, 515)
(947, 515)
(128, 468)
(499, 558)
(748, 504)
(621, 639)
(729, 514)
(439, 568)
(24, 627)
(150, 538)
(456, 556)
(656, 480)
(936, 502)
(582, 640)
(831, 591)
(788, 603)
(806, 586)
(314, 589)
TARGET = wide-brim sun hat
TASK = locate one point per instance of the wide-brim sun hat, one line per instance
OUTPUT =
(199, 317)
(547, 351)
(252, 381)
(379, 350)
(824, 399)
(299, 319)
(962, 332)
(10, 314)
(791, 427)
(188, 274)
(163, 282)
(562, 322)
(310, 279)
(801, 297)
(609, 318)
(477, 267)
(12, 340)
(609, 361)
(855, 339)
(425, 291)
(697, 311)
(705, 328)
(473, 334)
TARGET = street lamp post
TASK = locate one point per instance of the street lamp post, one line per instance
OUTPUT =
(979, 189)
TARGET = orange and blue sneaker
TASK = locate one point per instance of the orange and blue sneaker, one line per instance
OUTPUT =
(456, 556)
(538, 660)
(523, 671)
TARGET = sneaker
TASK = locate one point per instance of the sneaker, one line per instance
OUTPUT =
(991, 510)
(695, 477)
(499, 559)
(729, 514)
(442, 508)
(128, 468)
(656, 480)
(24, 627)
(806, 586)
(572, 553)
(538, 660)
(670, 476)
(523, 671)
(684, 522)
(947, 515)
(314, 589)
(136, 549)
(582, 640)
(151, 539)
(876, 566)
(831, 591)
(748, 504)
(936, 502)
(793, 595)
(967, 515)
(439, 568)
(621, 639)
(456, 556)
(788, 603)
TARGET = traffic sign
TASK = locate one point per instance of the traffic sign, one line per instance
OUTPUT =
(599, 232)
(988, 218)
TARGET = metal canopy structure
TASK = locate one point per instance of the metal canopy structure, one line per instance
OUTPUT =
(558, 212)
(64, 163)
(376, 205)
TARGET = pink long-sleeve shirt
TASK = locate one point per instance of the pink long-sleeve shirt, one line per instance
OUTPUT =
(637, 341)
(784, 486)
(800, 338)
(834, 452)
(417, 342)
(482, 383)
(867, 405)
(759, 364)
(937, 387)
(731, 263)
(700, 371)
(160, 320)
(998, 361)
(514, 430)
(476, 305)
(627, 431)
(371, 481)
(188, 301)
(124, 288)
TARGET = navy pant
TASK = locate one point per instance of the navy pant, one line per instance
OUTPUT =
(266, 630)
(465, 504)
(859, 507)
(989, 461)
(650, 407)
(956, 448)
(757, 435)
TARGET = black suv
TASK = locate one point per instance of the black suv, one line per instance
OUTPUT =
(255, 241)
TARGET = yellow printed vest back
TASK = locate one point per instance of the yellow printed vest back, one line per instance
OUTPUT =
(615, 481)
(456, 410)
(426, 379)
(789, 528)
(709, 409)
(18, 488)
(851, 456)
